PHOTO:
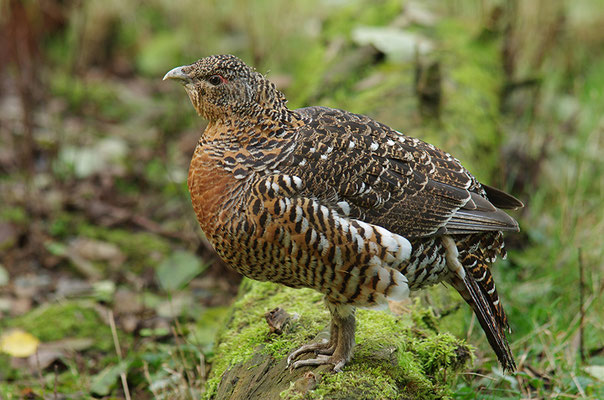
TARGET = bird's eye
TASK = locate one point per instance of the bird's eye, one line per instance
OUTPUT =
(216, 80)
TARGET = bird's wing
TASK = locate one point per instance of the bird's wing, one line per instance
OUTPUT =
(347, 259)
(377, 175)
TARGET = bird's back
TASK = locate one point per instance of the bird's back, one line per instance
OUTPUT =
(373, 173)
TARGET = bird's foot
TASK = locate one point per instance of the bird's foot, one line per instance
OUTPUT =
(324, 348)
(322, 359)
(338, 349)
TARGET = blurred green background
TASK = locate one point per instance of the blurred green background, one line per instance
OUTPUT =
(96, 228)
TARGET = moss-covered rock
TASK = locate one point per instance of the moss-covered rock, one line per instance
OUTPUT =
(70, 319)
(396, 357)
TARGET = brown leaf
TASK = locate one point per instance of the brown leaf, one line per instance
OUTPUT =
(50, 352)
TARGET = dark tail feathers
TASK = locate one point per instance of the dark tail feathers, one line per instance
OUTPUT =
(493, 323)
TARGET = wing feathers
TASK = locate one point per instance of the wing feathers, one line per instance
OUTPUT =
(388, 179)
(464, 221)
(479, 203)
(501, 199)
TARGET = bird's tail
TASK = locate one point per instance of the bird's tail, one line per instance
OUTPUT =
(478, 290)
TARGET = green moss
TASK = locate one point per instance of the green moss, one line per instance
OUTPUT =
(358, 382)
(246, 328)
(72, 319)
(394, 354)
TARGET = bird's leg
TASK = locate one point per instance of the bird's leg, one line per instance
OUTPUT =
(322, 347)
(338, 349)
(330, 346)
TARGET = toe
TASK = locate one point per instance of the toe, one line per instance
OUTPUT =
(319, 360)
(321, 347)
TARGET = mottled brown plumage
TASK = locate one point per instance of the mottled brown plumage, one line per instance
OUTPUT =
(338, 202)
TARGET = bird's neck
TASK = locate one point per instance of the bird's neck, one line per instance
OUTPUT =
(228, 155)
(264, 124)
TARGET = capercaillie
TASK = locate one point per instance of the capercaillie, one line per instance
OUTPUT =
(338, 202)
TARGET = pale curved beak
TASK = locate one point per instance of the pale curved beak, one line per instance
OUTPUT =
(178, 74)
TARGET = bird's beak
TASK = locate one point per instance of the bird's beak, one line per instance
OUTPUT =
(178, 74)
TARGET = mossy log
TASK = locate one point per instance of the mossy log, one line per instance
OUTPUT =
(396, 357)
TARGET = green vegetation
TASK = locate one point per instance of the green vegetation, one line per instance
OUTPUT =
(94, 212)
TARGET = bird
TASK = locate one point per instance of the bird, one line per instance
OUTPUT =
(326, 199)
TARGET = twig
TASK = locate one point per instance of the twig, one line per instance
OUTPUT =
(39, 370)
(148, 378)
(581, 306)
(579, 388)
(479, 375)
(202, 367)
(179, 339)
(118, 350)
(56, 381)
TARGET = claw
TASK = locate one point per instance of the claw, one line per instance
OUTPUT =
(321, 359)
(307, 348)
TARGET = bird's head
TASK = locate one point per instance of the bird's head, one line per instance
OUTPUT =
(223, 87)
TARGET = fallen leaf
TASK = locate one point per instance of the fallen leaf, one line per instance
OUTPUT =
(18, 343)
(69, 287)
(29, 285)
(80, 263)
(105, 381)
(597, 371)
(106, 155)
(97, 250)
(83, 251)
(178, 269)
(44, 358)
(126, 302)
(175, 306)
(49, 352)
(20, 305)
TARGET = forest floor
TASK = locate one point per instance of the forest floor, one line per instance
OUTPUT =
(106, 283)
